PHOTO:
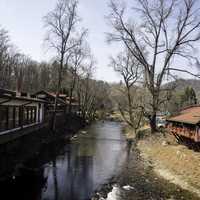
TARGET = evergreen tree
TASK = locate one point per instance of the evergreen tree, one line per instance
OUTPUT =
(188, 97)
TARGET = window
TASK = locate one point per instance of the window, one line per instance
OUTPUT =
(17, 124)
(16, 116)
(3, 118)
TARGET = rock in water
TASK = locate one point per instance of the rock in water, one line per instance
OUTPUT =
(83, 132)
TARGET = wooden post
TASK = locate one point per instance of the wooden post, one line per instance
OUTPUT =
(27, 115)
(35, 113)
(39, 107)
(14, 121)
(7, 117)
(31, 114)
(21, 116)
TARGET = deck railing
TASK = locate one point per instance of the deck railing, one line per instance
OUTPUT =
(183, 131)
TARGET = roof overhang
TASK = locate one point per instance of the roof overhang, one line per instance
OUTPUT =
(41, 93)
(184, 122)
(18, 101)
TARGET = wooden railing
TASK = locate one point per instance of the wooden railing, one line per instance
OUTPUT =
(186, 132)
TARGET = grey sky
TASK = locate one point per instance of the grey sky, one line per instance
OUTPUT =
(23, 20)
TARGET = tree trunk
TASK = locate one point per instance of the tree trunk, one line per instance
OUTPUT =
(153, 123)
(70, 102)
(155, 95)
(129, 104)
(57, 93)
(71, 95)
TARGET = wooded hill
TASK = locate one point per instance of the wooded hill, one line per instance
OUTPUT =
(181, 84)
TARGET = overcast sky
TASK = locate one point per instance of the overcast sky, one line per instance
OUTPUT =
(23, 20)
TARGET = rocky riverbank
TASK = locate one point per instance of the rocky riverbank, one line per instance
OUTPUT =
(139, 180)
(176, 163)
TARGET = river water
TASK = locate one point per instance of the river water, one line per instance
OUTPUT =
(70, 170)
(75, 170)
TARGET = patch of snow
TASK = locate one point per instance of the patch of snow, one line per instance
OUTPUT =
(114, 194)
(128, 187)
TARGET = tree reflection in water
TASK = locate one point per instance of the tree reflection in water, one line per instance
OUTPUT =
(69, 170)
(72, 177)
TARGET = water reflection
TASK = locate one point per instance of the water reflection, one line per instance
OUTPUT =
(70, 177)
(70, 171)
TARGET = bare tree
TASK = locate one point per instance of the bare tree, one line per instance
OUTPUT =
(5, 68)
(19, 72)
(31, 79)
(130, 70)
(76, 58)
(61, 24)
(45, 75)
(86, 90)
(164, 32)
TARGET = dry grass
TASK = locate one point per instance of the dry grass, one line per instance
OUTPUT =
(116, 116)
(129, 133)
(176, 159)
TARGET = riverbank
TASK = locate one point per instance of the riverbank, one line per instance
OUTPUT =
(115, 116)
(169, 160)
(176, 163)
(137, 180)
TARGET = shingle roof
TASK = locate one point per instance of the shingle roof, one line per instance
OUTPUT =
(190, 115)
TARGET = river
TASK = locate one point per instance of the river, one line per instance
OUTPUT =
(97, 159)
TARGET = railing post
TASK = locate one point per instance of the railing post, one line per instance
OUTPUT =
(7, 117)
(14, 115)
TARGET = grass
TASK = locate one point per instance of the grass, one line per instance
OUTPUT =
(129, 133)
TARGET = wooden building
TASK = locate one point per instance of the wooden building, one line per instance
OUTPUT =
(186, 124)
(19, 110)
(63, 101)
(22, 114)
(50, 100)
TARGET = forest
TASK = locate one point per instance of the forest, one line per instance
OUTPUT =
(146, 63)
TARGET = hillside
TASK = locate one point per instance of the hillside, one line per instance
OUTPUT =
(181, 84)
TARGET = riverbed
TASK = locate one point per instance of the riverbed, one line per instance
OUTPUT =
(96, 163)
